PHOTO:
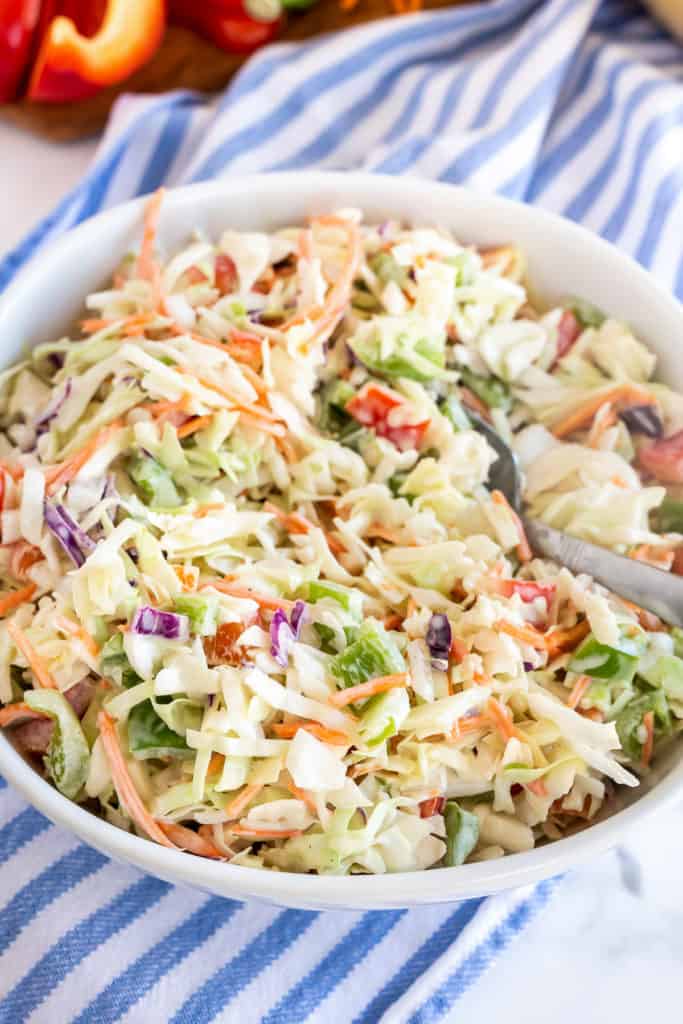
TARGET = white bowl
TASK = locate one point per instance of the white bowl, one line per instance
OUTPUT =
(564, 260)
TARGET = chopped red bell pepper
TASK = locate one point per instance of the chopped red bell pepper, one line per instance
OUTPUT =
(73, 63)
(238, 26)
(664, 459)
(225, 274)
(18, 25)
(433, 805)
(568, 330)
(528, 590)
(372, 407)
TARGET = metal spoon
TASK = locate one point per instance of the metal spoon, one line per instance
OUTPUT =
(653, 589)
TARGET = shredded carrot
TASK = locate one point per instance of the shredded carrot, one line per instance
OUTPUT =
(286, 448)
(12, 600)
(264, 833)
(473, 402)
(305, 245)
(471, 723)
(193, 425)
(13, 714)
(58, 476)
(601, 423)
(578, 690)
(287, 730)
(459, 649)
(301, 794)
(294, 522)
(524, 552)
(368, 689)
(326, 319)
(75, 630)
(202, 511)
(394, 621)
(255, 381)
(158, 409)
(216, 764)
(537, 786)
(185, 839)
(123, 783)
(501, 719)
(622, 394)
(146, 265)
(238, 403)
(23, 556)
(13, 469)
(648, 620)
(188, 580)
(276, 430)
(561, 640)
(648, 745)
(36, 664)
(525, 634)
(243, 799)
(655, 555)
(264, 600)
(411, 607)
(379, 532)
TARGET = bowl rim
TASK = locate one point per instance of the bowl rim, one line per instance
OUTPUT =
(389, 890)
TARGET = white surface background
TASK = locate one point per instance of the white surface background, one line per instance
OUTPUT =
(608, 947)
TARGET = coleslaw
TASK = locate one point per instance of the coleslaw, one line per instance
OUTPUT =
(258, 602)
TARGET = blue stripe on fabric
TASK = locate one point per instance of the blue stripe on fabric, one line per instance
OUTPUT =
(20, 830)
(343, 125)
(678, 287)
(226, 984)
(52, 882)
(316, 986)
(171, 139)
(482, 151)
(3, 782)
(595, 186)
(471, 968)
(420, 962)
(668, 191)
(516, 58)
(88, 935)
(333, 77)
(405, 119)
(659, 125)
(127, 988)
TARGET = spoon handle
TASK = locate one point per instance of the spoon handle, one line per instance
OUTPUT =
(653, 589)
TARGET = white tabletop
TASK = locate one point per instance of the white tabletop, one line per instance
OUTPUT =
(608, 947)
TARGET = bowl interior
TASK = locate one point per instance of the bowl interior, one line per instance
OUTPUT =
(563, 260)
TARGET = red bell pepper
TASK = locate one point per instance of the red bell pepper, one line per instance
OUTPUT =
(528, 590)
(100, 45)
(568, 330)
(238, 26)
(372, 407)
(664, 459)
(18, 24)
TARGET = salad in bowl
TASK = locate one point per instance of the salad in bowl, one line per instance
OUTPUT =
(258, 601)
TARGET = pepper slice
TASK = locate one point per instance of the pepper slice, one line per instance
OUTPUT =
(18, 24)
(238, 26)
(72, 65)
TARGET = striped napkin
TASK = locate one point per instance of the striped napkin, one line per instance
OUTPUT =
(573, 104)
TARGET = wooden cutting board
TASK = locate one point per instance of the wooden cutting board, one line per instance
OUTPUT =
(186, 61)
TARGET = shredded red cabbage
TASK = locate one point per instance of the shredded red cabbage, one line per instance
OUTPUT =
(53, 406)
(72, 538)
(643, 419)
(285, 632)
(439, 640)
(151, 622)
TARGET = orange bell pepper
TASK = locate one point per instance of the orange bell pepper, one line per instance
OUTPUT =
(72, 65)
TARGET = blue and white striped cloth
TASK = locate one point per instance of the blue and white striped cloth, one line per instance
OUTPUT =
(573, 104)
